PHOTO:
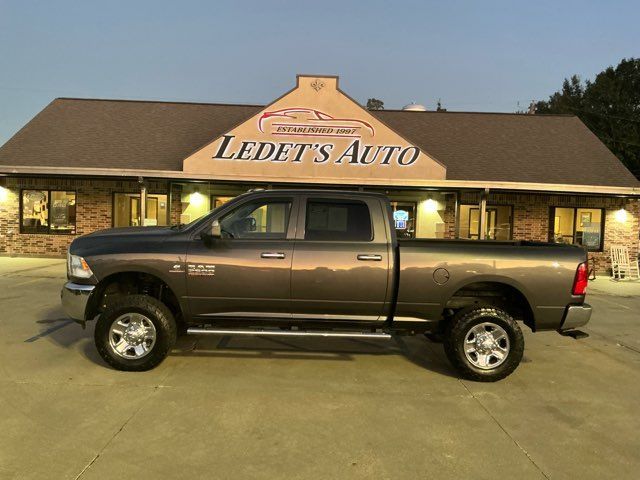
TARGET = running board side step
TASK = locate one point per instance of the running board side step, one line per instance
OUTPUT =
(284, 333)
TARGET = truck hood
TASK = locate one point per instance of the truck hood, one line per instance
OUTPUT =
(129, 231)
(118, 240)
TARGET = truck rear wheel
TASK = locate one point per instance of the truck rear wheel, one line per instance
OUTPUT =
(484, 344)
(135, 333)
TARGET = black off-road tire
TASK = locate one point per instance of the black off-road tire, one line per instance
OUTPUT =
(156, 312)
(460, 326)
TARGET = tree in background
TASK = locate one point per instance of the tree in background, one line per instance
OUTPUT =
(608, 105)
(375, 104)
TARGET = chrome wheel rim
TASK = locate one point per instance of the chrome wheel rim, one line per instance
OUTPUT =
(132, 336)
(486, 345)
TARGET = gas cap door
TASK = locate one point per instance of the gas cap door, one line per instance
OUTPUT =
(441, 276)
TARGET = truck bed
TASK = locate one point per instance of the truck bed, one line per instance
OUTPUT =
(438, 269)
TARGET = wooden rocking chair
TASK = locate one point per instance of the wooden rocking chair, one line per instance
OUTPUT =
(621, 266)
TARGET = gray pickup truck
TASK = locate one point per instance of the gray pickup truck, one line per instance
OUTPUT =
(319, 263)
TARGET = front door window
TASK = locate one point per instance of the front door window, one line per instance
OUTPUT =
(257, 220)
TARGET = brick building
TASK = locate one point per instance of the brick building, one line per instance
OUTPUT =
(81, 165)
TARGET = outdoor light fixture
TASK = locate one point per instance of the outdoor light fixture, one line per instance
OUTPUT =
(196, 199)
(621, 215)
(4, 194)
(431, 206)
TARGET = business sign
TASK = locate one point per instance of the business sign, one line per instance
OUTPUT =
(401, 215)
(401, 224)
(400, 218)
(317, 131)
(314, 133)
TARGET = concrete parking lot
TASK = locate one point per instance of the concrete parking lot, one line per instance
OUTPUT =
(223, 407)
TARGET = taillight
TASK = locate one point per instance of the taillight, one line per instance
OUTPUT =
(581, 280)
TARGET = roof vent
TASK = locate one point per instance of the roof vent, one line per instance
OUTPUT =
(414, 107)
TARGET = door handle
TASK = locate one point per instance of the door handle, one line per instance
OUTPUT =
(369, 257)
(272, 255)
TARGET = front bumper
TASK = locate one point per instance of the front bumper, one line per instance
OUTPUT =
(576, 316)
(75, 298)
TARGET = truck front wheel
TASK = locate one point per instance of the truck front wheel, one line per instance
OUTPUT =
(135, 333)
(484, 344)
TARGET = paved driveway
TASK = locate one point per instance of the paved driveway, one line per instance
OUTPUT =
(222, 407)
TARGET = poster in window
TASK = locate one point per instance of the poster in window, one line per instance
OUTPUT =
(591, 239)
(60, 213)
(585, 219)
(35, 212)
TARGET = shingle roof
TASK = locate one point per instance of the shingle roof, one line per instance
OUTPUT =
(159, 135)
(119, 133)
(511, 147)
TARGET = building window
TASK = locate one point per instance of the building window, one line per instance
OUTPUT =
(48, 211)
(577, 226)
(404, 218)
(498, 222)
(419, 214)
(196, 199)
(127, 211)
(218, 201)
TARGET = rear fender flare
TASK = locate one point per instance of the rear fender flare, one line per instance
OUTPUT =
(499, 279)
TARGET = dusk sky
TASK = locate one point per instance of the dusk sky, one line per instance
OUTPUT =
(478, 56)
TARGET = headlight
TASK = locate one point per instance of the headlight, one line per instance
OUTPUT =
(78, 267)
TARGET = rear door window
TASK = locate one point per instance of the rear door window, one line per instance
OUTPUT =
(338, 220)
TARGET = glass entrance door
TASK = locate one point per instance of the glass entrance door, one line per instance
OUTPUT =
(134, 211)
(127, 210)
(474, 222)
